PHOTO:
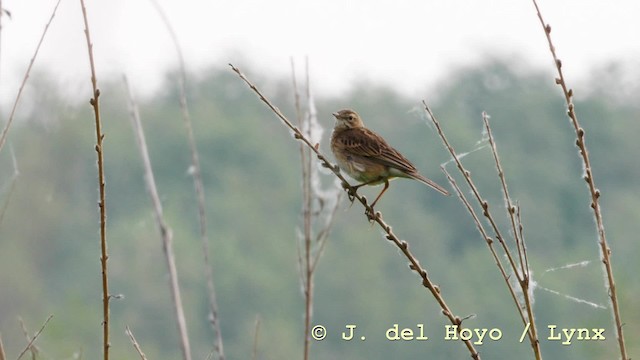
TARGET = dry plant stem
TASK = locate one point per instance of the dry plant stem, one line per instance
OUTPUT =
(2, 354)
(488, 240)
(308, 275)
(165, 231)
(522, 279)
(483, 203)
(135, 344)
(377, 217)
(605, 250)
(12, 185)
(33, 349)
(3, 137)
(309, 260)
(256, 333)
(197, 183)
(30, 344)
(516, 227)
(505, 192)
(305, 266)
(520, 228)
(323, 234)
(95, 103)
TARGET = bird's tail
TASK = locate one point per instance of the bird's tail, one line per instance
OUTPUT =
(430, 183)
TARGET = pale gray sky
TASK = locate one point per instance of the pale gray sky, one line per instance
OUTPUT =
(410, 44)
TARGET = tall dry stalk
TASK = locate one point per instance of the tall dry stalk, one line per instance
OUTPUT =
(135, 344)
(12, 185)
(256, 334)
(102, 206)
(197, 183)
(34, 338)
(524, 275)
(166, 233)
(3, 356)
(317, 214)
(376, 217)
(594, 192)
(518, 266)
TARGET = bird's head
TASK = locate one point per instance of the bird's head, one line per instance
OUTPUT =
(348, 119)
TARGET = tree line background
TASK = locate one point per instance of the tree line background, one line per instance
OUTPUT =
(49, 249)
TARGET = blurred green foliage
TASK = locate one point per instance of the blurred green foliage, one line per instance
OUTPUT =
(49, 236)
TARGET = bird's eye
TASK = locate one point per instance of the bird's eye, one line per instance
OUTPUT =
(350, 117)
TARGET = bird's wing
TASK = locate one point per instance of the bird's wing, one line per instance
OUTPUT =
(366, 143)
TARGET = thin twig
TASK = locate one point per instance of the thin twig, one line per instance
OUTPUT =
(30, 344)
(521, 276)
(33, 349)
(256, 333)
(375, 217)
(2, 354)
(95, 103)
(197, 183)
(307, 198)
(135, 344)
(505, 192)
(594, 192)
(296, 96)
(165, 231)
(3, 136)
(323, 234)
(487, 239)
(305, 186)
(308, 261)
(12, 185)
(524, 248)
(513, 213)
(483, 203)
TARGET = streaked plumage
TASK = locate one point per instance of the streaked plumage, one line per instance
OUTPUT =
(367, 157)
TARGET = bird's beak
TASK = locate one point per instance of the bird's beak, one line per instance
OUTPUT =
(335, 115)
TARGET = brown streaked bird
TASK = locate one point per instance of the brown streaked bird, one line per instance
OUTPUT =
(366, 156)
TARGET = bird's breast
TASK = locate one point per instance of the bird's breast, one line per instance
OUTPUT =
(362, 169)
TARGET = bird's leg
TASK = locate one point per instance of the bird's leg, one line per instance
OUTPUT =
(354, 189)
(386, 186)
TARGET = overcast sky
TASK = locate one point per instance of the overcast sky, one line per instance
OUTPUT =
(409, 44)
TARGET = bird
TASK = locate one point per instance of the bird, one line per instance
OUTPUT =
(368, 158)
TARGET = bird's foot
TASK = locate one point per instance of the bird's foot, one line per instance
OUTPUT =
(368, 212)
(371, 214)
(351, 191)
